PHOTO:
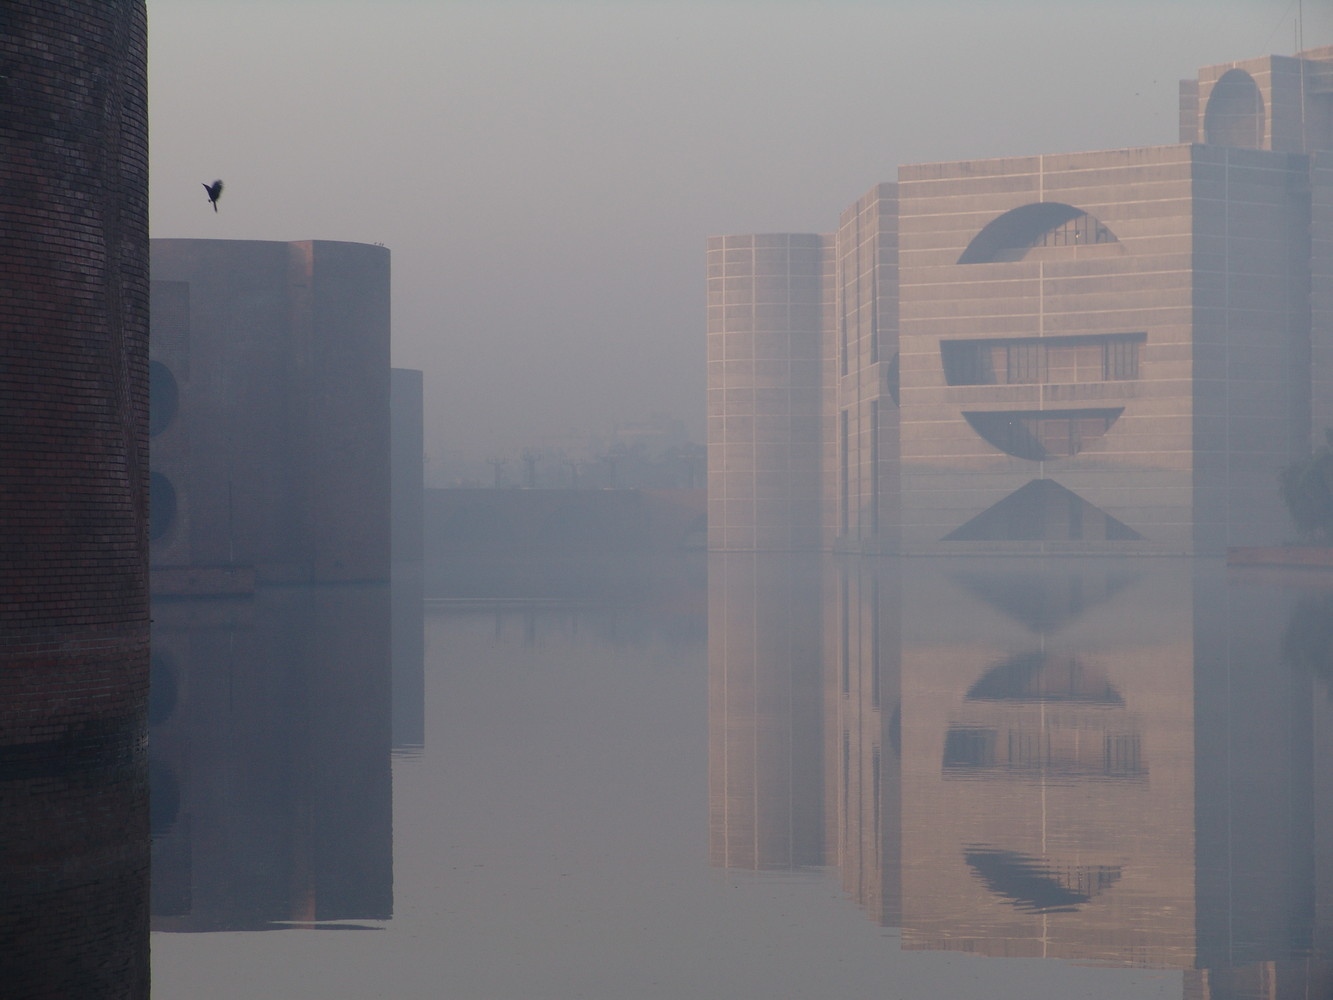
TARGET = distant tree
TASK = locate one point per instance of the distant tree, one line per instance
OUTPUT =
(1308, 640)
(1307, 490)
(688, 464)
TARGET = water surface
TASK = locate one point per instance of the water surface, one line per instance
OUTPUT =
(918, 778)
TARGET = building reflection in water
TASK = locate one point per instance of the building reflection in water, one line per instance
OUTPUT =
(1048, 758)
(1121, 761)
(74, 864)
(270, 728)
(766, 708)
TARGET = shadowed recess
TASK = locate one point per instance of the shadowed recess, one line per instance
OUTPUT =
(1045, 677)
(1034, 885)
(1043, 510)
(1090, 747)
(1038, 435)
(163, 398)
(1109, 357)
(1235, 114)
(1041, 224)
(894, 378)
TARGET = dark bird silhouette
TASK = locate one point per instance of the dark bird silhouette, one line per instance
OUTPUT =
(214, 193)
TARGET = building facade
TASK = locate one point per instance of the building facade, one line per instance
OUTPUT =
(1112, 351)
(769, 303)
(270, 419)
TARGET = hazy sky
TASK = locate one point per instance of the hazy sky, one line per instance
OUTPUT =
(545, 173)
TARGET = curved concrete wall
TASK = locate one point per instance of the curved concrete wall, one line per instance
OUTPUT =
(767, 297)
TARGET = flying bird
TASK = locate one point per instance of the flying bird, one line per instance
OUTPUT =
(214, 193)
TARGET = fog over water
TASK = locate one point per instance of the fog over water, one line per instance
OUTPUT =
(546, 173)
(600, 762)
(914, 778)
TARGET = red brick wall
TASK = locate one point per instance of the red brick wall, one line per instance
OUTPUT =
(73, 497)
(73, 365)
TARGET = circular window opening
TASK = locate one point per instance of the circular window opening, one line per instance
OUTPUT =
(161, 505)
(163, 398)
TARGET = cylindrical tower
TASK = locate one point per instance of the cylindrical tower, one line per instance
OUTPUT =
(768, 296)
(73, 498)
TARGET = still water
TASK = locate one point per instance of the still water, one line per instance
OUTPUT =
(778, 778)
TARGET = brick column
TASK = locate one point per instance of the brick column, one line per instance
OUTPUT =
(73, 498)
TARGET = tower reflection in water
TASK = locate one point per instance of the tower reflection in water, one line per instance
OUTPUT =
(270, 760)
(1124, 762)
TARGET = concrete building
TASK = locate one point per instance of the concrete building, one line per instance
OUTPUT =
(1111, 351)
(769, 301)
(270, 414)
(272, 460)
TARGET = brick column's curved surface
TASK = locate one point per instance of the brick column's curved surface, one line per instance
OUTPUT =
(73, 497)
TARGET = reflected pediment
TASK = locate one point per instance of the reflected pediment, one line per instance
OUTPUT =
(1044, 602)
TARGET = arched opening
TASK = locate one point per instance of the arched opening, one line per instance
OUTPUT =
(1036, 885)
(1041, 224)
(1041, 677)
(1235, 113)
(1038, 435)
